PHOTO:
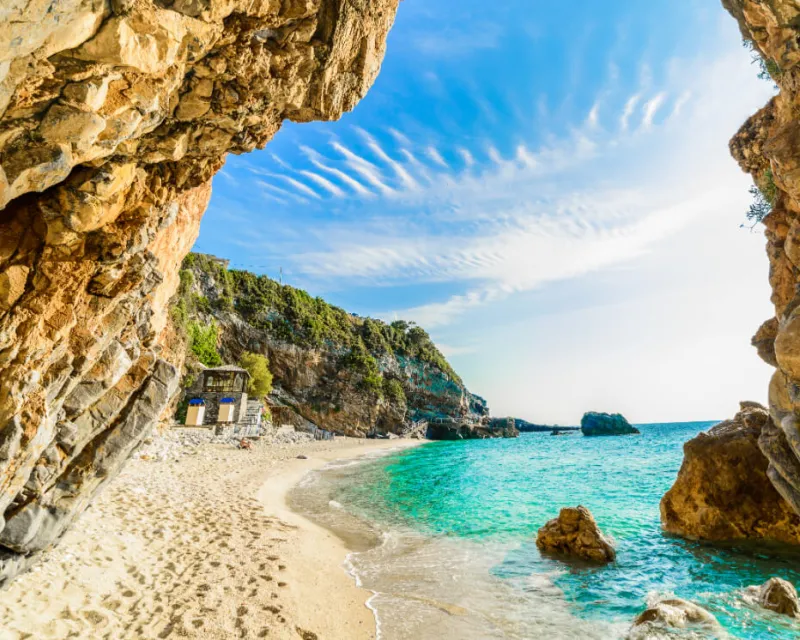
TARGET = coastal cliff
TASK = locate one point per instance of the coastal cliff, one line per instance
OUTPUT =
(343, 373)
(114, 116)
(723, 492)
(768, 148)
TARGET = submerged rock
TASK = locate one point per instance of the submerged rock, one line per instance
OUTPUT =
(777, 595)
(575, 534)
(723, 491)
(606, 424)
(674, 613)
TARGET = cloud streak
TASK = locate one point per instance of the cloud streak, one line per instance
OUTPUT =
(500, 222)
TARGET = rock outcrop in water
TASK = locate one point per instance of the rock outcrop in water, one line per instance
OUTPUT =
(343, 373)
(723, 491)
(460, 429)
(777, 595)
(114, 116)
(575, 534)
(606, 424)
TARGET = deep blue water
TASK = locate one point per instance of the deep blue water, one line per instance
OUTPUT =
(490, 497)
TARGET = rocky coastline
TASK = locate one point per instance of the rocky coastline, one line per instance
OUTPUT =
(766, 148)
(342, 373)
(723, 491)
(523, 426)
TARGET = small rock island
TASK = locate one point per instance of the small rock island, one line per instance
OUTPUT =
(606, 424)
(575, 534)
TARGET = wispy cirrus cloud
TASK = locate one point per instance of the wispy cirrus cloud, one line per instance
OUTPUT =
(492, 220)
(488, 163)
(456, 42)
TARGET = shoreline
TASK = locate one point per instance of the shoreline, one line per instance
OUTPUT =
(195, 540)
(319, 550)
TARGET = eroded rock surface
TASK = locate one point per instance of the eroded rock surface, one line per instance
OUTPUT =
(575, 534)
(768, 148)
(777, 595)
(723, 491)
(114, 116)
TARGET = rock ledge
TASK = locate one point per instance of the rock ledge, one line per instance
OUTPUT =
(723, 491)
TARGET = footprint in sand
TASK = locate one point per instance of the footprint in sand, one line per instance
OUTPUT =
(112, 605)
(95, 618)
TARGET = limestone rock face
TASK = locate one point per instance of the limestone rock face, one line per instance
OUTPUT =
(575, 534)
(723, 490)
(768, 148)
(606, 424)
(114, 116)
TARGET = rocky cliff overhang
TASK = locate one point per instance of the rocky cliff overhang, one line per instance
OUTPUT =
(759, 499)
(114, 116)
(768, 147)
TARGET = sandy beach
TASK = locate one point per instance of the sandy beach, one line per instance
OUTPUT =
(199, 547)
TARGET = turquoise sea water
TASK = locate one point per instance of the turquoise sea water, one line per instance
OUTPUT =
(445, 535)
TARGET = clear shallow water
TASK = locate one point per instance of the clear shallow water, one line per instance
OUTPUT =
(445, 535)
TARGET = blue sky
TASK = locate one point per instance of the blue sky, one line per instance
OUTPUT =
(545, 187)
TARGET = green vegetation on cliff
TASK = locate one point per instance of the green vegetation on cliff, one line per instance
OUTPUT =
(768, 69)
(257, 365)
(203, 343)
(764, 194)
(292, 315)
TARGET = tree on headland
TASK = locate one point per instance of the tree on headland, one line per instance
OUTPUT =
(257, 366)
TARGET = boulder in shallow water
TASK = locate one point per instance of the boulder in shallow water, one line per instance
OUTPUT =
(723, 491)
(575, 534)
(606, 424)
(673, 613)
(779, 596)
